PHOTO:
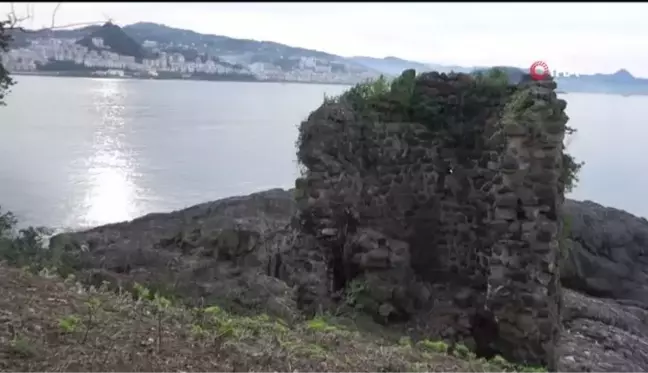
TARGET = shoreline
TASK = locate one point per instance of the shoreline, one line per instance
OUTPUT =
(75, 74)
(63, 74)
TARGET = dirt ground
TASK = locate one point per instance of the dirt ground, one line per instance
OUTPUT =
(48, 324)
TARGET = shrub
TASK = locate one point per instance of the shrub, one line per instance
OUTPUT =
(28, 248)
(5, 80)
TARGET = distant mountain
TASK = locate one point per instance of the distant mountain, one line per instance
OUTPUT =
(620, 82)
(192, 44)
(390, 65)
(21, 38)
(114, 40)
(245, 50)
(143, 31)
(395, 66)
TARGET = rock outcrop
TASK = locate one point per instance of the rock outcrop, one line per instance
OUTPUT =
(607, 252)
(460, 175)
(223, 252)
(603, 335)
(436, 202)
(598, 334)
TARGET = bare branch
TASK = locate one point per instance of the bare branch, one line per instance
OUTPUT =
(54, 14)
(14, 21)
(80, 24)
(29, 11)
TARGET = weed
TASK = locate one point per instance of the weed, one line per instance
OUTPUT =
(199, 339)
(93, 305)
(141, 292)
(21, 348)
(355, 293)
(434, 346)
(319, 324)
(69, 324)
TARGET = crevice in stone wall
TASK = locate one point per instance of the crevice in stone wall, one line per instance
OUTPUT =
(339, 274)
(485, 332)
(274, 266)
(521, 215)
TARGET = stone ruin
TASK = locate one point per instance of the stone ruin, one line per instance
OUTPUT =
(438, 183)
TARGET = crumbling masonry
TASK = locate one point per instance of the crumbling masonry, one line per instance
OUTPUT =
(453, 183)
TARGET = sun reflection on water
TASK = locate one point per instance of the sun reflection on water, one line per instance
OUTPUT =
(111, 193)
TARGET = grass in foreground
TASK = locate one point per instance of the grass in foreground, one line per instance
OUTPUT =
(53, 325)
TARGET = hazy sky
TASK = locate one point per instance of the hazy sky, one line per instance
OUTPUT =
(573, 37)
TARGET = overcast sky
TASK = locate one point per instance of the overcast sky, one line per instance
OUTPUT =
(571, 37)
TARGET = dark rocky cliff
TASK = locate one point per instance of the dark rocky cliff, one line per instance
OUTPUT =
(607, 255)
(435, 206)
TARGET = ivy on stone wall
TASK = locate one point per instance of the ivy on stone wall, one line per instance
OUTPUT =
(454, 107)
(571, 168)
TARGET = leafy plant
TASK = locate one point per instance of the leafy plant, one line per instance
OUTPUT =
(69, 324)
(571, 169)
(355, 293)
(141, 292)
(27, 248)
(93, 304)
(5, 80)
(21, 347)
(435, 346)
(320, 324)
(160, 307)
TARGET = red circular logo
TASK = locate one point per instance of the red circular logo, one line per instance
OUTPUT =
(539, 70)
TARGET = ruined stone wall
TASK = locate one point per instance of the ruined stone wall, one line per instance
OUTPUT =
(366, 181)
(523, 285)
(460, 188)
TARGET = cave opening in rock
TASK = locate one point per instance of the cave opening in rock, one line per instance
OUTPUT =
(341, 269)
(336, 264)
(485, 332)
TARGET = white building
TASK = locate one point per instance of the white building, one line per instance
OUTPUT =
(98, 42)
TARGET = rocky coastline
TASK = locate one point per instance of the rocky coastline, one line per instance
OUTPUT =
(237, 251)
(433, 205)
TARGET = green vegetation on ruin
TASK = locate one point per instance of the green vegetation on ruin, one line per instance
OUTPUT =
(406, 99)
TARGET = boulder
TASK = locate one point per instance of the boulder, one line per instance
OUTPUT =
(225, 252)
(607, 252)
(602, 335)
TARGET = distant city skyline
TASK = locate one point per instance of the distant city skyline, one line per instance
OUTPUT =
(575, 37)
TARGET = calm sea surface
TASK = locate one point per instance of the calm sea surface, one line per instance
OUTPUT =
(78, 152)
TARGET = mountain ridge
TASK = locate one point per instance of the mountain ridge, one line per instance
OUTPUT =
(115, 39)
(143, 30)
(288, 58)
